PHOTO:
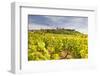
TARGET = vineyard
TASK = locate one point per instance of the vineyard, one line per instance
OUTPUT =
(56, 44)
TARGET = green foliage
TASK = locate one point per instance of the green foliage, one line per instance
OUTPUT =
(55, 56)
(50, 44)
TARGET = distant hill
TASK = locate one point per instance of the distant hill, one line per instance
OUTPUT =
(59, 31)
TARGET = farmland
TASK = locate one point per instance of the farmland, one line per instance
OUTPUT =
(57, 44)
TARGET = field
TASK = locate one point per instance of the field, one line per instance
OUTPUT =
(57, 44)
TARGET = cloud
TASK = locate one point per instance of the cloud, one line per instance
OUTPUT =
(75, 22)
(37, 26)
(41, 20)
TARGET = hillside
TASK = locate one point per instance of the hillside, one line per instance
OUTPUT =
(59, 31)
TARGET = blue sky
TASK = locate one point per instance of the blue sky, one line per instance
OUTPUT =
(49, 22)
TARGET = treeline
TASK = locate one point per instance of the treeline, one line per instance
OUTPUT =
(59, 31)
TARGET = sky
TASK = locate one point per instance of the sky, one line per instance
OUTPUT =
(51, 22)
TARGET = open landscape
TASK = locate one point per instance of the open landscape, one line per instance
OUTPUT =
(56, 44)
